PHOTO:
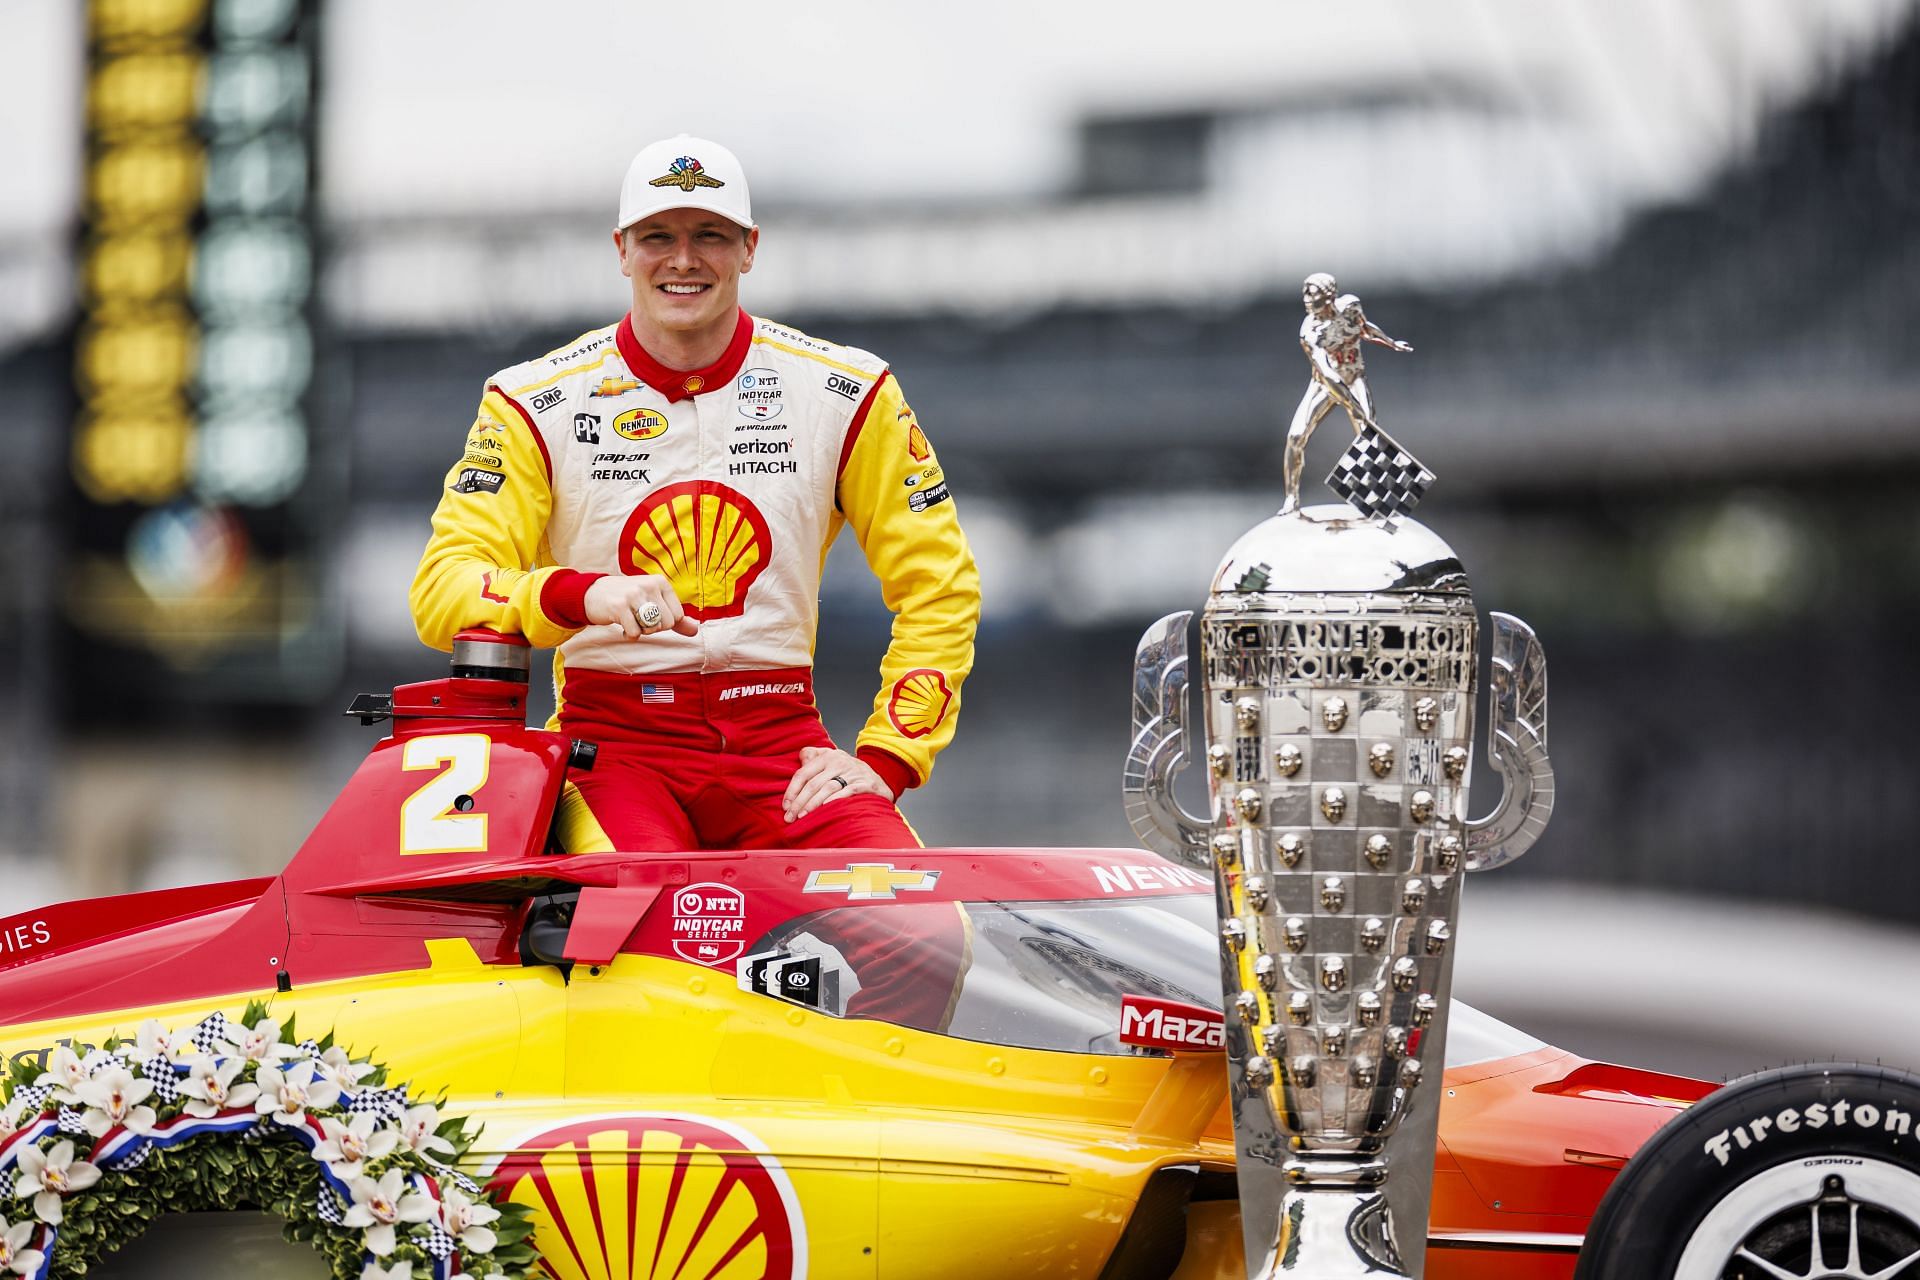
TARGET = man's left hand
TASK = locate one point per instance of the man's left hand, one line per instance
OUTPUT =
(827, 774)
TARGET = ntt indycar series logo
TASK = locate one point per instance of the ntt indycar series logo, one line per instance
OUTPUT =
(1839, 1115)
(1168, 1024)
(709, 923)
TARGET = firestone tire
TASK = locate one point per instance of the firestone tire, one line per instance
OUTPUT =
(1799, 1173)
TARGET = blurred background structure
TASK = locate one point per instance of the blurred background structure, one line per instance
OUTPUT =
(1660, 263)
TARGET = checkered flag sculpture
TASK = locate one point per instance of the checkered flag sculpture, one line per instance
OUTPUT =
(1378, 477)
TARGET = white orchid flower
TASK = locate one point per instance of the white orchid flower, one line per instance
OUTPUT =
(347, 1146)
(377, 1206)
(261, 1043)
(12, 1115)
(210, 1089)
(417, 1127)
(155, 1040)
(15, 1257)
(48, 1175)
(65, 1072)
(113, 1098)
(288, 1095)
(465, 1220)
(401, 1270)
(342, 1070)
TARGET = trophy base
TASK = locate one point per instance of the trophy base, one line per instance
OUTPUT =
(1332, 1235)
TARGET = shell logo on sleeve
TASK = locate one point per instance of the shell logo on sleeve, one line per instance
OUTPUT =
(658, 1195)
(706, 539)
(920, 702)
(917, 445)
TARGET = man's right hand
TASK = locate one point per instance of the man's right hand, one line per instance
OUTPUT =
(629, 602)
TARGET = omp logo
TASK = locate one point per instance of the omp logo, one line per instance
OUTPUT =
(655, 1195)
(1168, 1024)
(1749, 1134)
(548, 398)
(844, 386)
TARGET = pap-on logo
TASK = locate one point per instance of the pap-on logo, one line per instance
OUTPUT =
(1168, 1024)
(1749, 1134)
(709, 923)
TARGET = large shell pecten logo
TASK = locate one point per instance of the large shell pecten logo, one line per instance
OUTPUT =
(708, 540)
(919, 702)
(656, 1197)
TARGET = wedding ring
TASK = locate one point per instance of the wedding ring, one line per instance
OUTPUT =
(649, 615)
(842, 781)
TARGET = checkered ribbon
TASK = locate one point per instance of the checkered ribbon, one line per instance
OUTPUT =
(166, 1081)
(450, 1174)
(309, 1049)
(387, 1104)
(435, 1240)
(73, 1120)
(134, 1161)
(213, 1031)
(330, 1207)
(6, 1184)
(33, 1099)
(1378, 477)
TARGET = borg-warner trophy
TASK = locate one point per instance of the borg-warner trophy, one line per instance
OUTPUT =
(1339, 669)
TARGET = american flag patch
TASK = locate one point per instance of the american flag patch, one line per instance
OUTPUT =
(656, 693)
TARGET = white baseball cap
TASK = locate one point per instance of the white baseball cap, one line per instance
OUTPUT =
(684, 173)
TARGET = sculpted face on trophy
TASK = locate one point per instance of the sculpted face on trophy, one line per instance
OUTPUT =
(1340, 661)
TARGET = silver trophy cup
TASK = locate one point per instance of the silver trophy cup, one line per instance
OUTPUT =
(1339, 681)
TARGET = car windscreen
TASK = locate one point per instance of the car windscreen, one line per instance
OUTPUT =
(1037, 975)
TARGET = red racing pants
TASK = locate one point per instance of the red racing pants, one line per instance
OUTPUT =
(702, 761)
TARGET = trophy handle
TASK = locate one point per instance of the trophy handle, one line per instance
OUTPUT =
(1159, 750)
(1517, 746)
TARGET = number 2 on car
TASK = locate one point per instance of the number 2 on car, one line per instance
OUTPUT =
(428, 823)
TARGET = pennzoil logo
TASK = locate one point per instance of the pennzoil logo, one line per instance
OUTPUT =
(686, 173)
(707, 539)
(611, 386)
(640, 424)
(919, 702)
(653, 1196)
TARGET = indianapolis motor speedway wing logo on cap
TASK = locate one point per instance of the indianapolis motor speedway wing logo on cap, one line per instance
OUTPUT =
(686, 173)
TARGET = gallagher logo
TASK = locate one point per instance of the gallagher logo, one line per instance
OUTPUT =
(1170, 1025)
(640, 424)
(653, 1196)
(709, 923)
(708, 540)
(919, 702)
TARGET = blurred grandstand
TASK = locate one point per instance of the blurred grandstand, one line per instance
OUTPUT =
(1674, 416)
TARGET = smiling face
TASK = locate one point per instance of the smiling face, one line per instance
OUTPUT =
(685, 265)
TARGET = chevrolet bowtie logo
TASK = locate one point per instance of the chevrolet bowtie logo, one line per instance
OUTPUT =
(685, 173)
(869, 880)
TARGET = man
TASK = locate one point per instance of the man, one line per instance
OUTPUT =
(656, 499)
(1331, 336)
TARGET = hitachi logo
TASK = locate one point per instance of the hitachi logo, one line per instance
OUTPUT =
(756, 690)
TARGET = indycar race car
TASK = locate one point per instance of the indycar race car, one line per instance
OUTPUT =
(889, 1063)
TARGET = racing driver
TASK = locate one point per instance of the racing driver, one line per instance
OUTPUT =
(656, 499)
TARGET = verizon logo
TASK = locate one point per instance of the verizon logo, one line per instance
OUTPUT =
(1169, 1024)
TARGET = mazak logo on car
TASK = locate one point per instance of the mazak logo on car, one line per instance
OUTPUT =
(709, 923)
(1168, 1024)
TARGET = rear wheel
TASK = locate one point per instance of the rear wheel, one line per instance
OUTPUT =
(1805, 1173)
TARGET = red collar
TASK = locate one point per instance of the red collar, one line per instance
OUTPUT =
(682, 384)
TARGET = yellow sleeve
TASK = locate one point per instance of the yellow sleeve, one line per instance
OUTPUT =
(485, 564)
(895, 497)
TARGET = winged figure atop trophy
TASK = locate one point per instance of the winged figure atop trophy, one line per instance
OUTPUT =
(1375, 474)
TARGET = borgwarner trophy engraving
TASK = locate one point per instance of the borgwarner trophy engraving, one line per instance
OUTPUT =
(1340, 661)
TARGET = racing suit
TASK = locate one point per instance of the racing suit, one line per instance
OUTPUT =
(731, 482)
